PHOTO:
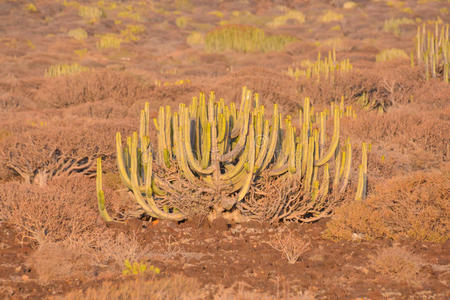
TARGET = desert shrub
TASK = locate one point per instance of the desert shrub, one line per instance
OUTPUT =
(391, 54)
(330, 16)
(349, 5)
(386, 85)
(40, 152)
(327, 68)
(195, 38)
(90, 13)
(242, 291)
(290, 244)
(406, 131)
(181, 22)
(58, 261)
(16, 94)
(414, 206)
(116, 248)
(245, 18)
(295, 15)
(132, 32)
(272, 86)
(90, 87)
(58, 212)
(393, 25)
(78, 34)
(109, 41)
(244, 39)
(171, 288)
(397, 264)
(31, 8)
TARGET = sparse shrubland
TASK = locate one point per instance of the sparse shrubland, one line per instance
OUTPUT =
(253, 196)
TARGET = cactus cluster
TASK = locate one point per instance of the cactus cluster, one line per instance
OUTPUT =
(391, 54)
(227, 149)
(326, 68)
(433, 50)
(245, 39)
(64, 69)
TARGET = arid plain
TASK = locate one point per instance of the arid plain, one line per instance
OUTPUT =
(73, 73)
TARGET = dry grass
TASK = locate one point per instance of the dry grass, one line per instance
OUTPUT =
(177, 287)
(414, 207)
(397, 264)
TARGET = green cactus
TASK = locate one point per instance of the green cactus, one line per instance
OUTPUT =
(224, 151)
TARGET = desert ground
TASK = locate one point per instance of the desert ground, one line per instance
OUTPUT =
(74, 73)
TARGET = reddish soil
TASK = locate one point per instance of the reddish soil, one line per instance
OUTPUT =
(78, 115)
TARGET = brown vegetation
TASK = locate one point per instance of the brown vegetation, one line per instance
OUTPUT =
(55, 213)
(91, 86)
(172, 288)
(411, 206)
(398, 264)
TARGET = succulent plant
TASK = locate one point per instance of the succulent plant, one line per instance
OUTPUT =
(224, 150)
(433, 50)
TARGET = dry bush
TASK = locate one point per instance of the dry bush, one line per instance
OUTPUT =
(16, 94)
(177, 287)
(405, 130)
(191, 198)
(41, 151)
(57, 261)
(116, 248)
(415, 206)
(291, 245)
(271, 86)
(172, 95)
(65, 209)
(90, 87)
(387, 85)
(273, 199)
(397, 264)
(79, 255)
(241, 291)
(432, 95)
